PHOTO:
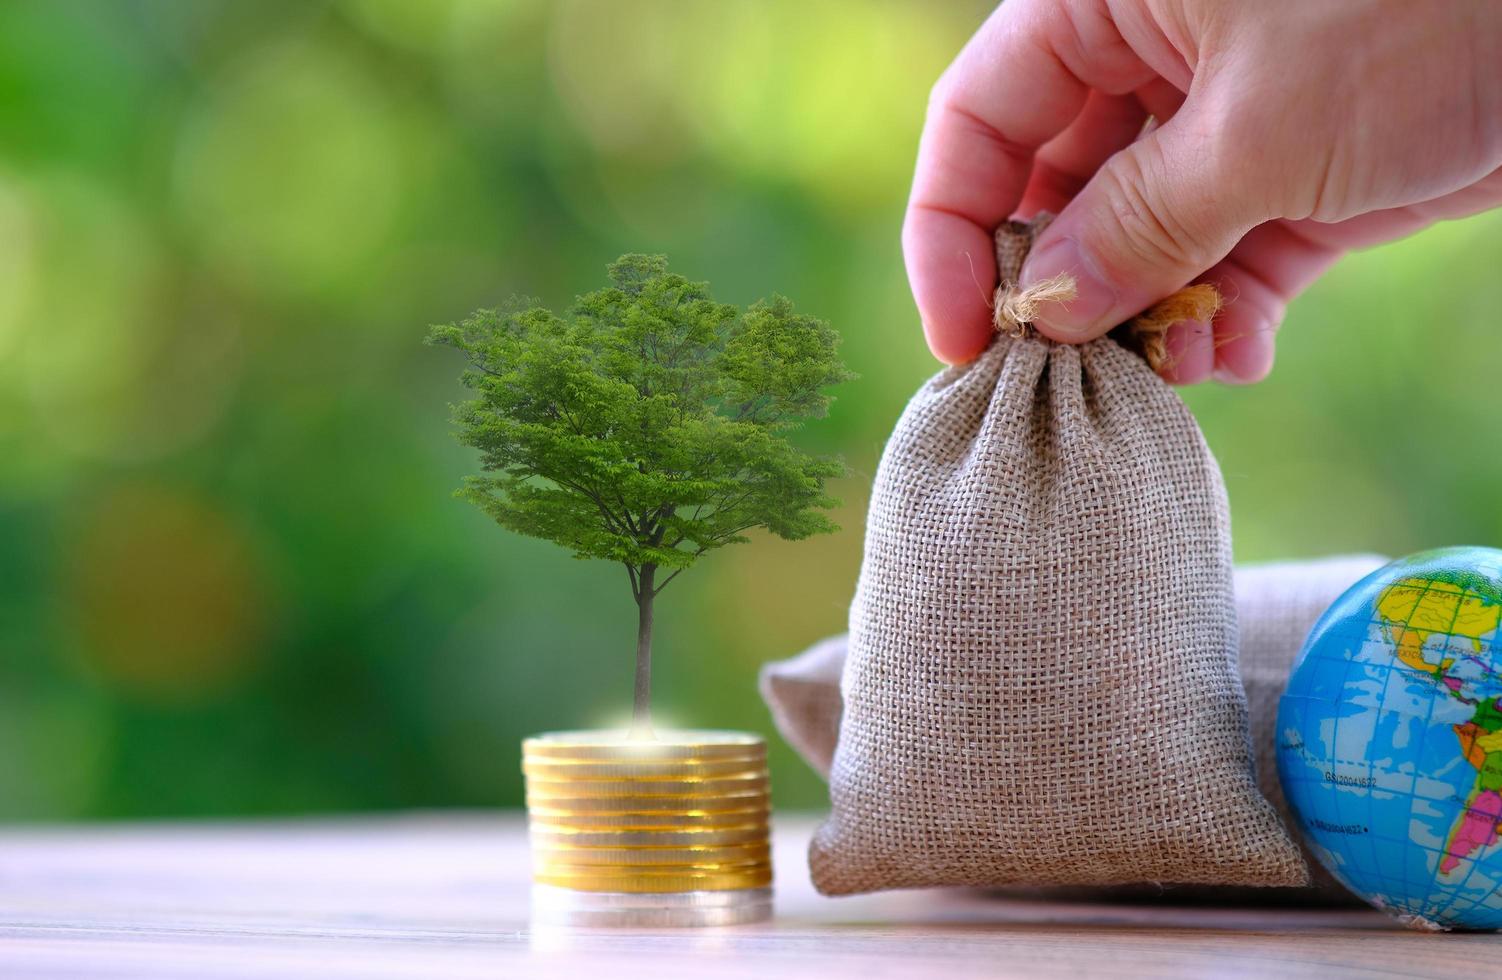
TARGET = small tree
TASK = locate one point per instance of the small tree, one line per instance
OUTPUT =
(645, 426)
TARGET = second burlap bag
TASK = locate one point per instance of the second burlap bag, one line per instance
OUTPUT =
(1041, 685)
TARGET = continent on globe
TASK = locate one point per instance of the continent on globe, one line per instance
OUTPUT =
(1454, 603)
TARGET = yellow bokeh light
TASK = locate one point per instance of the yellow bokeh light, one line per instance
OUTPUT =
(166, 594)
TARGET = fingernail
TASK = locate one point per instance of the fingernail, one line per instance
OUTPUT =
(1095, 298)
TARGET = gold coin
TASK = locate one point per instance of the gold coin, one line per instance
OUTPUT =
(688, 786)
(557, 775)
(648, 821)
(544, 837)
(618, 857)
(620, 746)
(552, 866)
(641, 835)
(668, 882)
(674, 769)
(555, 869)
(548, 896)
(624, 805)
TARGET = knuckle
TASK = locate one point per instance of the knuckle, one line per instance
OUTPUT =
(941, 92)
(1152, 224)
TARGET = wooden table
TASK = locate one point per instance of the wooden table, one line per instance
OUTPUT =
(446, 896)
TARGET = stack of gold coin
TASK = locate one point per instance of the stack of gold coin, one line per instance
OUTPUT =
(670, 829)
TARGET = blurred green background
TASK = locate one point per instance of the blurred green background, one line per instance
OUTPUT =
(232, 576)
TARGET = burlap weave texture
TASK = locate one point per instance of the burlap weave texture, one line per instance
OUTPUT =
(1041, 685)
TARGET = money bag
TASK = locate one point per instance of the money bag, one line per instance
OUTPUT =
(1041, 683)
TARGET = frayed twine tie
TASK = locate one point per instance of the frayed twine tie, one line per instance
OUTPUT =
(1014, 309)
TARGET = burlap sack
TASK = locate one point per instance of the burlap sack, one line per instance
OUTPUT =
(1276, 604)
(1041, 685)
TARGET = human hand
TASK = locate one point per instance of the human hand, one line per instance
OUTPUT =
(1286, 132)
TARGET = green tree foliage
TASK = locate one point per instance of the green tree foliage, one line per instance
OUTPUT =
(646, 425)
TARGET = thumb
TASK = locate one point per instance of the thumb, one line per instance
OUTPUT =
(1159, 213)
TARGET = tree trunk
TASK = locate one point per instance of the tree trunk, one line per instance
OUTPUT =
(641, 713)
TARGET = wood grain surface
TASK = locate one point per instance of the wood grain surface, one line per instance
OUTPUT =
(447, 896)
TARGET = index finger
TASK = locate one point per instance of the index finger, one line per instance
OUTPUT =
(1019, 82)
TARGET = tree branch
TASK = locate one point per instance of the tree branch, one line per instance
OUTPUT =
(613, 522)
(664, 583)
(705, 547)
(725, 503)
(479, 365)
(633, 526)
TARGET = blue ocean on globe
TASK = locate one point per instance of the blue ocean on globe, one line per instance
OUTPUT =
(1390, 739)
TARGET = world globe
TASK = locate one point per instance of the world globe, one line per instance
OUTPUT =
(1390, 739)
